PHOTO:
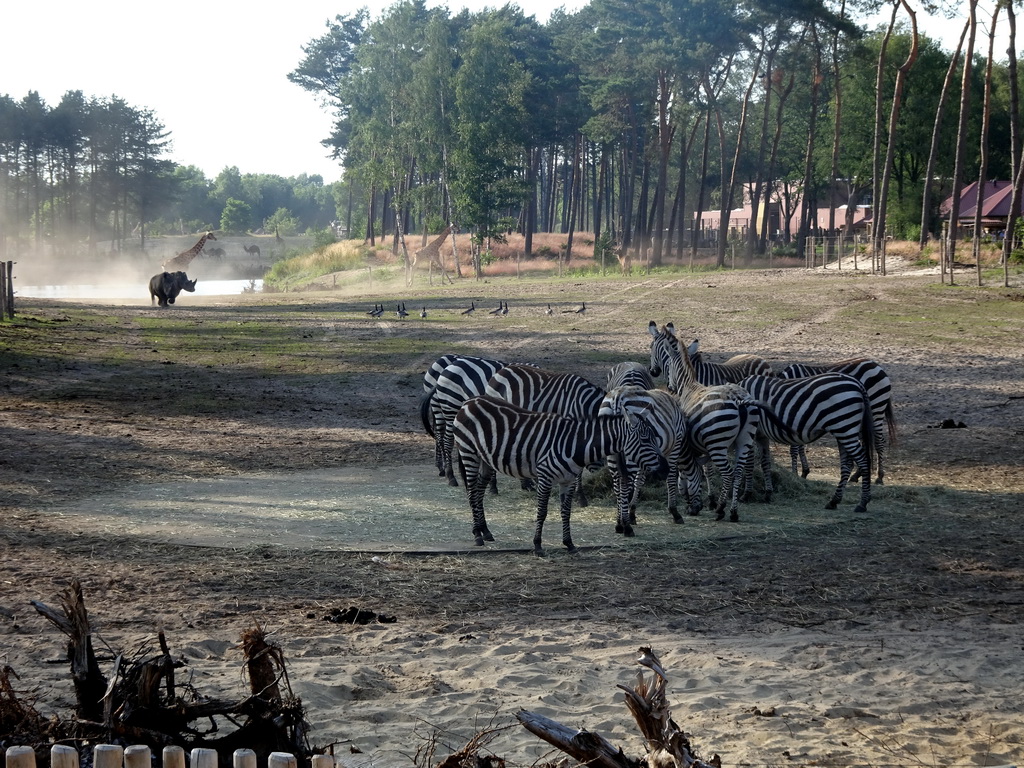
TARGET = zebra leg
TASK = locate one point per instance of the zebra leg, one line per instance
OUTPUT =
(689, 470)
(881, 447)
(439, 447)
(475, 480)
(623, 492)
(799, 452)
(764, 449)
(845, 467)
(579, 492)
(566, 510)
(543, 495)
(862, 459)
(721, 460)
(449, 444)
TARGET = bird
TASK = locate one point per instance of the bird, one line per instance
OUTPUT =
(402, 314)
(496, 311)
(505, 310)
(373, 312)
(423, 312)
(378, 311)
(549, 310)
(582, 309)
(472, 307)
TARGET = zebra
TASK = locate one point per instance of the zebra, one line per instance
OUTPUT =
(495, 436)
(629, 374)
(535, 389)
(431, 374)
(720, 418)
(879, 388)
(808, 408)
(732, 371)
(664, 413)
(461, 379)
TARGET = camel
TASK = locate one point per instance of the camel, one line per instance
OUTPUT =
(252, 250)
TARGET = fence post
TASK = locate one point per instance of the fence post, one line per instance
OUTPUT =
(203, 758)
(281, 760)
(137, 756)
(21, 757)
(242, 758)
(3, 289)
(107, 756)
(63, 756)
(173, 757)
(322, 761)
(10, 289)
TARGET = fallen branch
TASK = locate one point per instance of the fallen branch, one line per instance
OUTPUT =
(667, 745)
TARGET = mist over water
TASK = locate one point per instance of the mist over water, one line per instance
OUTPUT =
(125, 276)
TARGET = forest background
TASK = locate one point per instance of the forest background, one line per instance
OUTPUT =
(628, 120)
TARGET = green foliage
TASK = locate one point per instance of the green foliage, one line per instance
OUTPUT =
(236, 218)
(282, 222)
(324, 237)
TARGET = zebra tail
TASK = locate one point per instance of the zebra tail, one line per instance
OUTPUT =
(890, 422)
(867, 432)
(428, 423)
(772, 416)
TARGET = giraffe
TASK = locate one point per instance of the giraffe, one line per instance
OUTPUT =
(252, 250)
(432, 252)
(183, 259)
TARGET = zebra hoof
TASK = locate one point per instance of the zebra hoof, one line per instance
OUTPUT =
(479, 540)
(860, 508)
(720, 514)
(571, 549)
(453, 482)
(582, 501)
(767, 497)
(538, 552)
(694, 512)
(628, 531)
(880, 481)
(832, 504)
(676, 517)
(632, 517)
(805, 473)
(619, 528)
(734, 517)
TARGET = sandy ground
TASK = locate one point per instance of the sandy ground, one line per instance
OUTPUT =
(893, 638)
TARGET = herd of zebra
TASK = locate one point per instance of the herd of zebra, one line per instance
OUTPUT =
(488, 416)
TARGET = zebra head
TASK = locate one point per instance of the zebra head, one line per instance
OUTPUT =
(641, 448)
(664, 347)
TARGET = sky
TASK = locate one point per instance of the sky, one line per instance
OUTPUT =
(214, 73)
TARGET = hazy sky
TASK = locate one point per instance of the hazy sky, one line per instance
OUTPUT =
(214, 72)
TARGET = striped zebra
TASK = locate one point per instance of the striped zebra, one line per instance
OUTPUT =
(460, 380)
(431, 374)
(629, 374)
(732, 371)
(664, 413)
(721, 418)
(495, 436)
(879, 388)
(803, 410)
(536, 389)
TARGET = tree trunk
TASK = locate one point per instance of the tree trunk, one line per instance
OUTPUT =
(986, 111)
(1016, 147)
(809, 191)
(897, 101)
(940, 111)
(877, 218)
(961, 142)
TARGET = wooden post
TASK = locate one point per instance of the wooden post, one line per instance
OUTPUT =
(322, 761)
(242, 758)
(10, 289)
(107, 756)
(138, 756)
(3, 289)
(21, 757)
(202, 758)
(281, 760)
(174, 757)
(63, 756)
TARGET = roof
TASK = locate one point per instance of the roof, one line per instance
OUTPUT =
(995, 203)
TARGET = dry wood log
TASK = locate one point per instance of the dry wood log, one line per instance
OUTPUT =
(667, 745)
(90, 684)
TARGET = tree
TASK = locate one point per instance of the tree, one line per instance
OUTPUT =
(236, 218)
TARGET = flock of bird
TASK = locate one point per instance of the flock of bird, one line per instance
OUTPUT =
(500, 311)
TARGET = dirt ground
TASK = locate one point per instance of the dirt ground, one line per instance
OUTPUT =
(939, 547)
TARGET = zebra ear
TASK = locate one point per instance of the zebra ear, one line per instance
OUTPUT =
(670, 329)
(692, 349)
(652, 328)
